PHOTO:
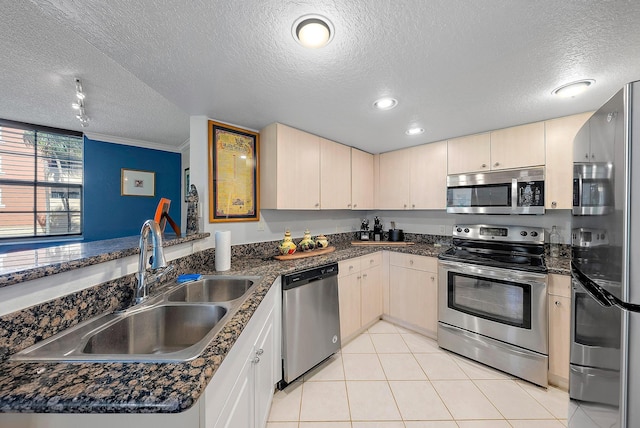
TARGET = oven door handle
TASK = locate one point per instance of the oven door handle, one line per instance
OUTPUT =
(531, 278)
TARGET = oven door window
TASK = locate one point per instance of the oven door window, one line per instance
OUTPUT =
(595, 325)
(495, 300)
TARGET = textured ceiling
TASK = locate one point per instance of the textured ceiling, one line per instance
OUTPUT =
(457, 67)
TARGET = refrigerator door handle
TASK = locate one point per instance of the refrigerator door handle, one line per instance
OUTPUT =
(599, 294)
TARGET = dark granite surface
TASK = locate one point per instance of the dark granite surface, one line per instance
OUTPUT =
(28, 265)
(151, 387)
(139, 387)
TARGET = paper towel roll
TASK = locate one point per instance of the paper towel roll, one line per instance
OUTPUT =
(223, 250)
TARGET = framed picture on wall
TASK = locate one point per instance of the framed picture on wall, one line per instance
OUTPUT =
(233, 174)
(136, 182)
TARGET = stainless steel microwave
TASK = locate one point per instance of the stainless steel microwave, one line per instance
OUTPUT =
(592, 188)
(515, 191)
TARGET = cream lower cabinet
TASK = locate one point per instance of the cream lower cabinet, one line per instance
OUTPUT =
(238, 395)
(559, 301)
(413, 291)
(359, 293)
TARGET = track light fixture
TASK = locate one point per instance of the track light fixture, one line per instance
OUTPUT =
(79, 104)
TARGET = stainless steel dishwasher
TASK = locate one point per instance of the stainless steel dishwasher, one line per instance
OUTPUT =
(310, 319)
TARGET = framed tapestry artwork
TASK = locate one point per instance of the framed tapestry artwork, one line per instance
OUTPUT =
(233, 174)
(135, 182)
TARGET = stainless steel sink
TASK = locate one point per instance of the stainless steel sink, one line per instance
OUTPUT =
(212, 290)
(174, 326)
(156, 330)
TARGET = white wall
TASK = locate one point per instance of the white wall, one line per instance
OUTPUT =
(441, 223)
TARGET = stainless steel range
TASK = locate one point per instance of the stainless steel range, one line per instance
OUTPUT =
(492, 299)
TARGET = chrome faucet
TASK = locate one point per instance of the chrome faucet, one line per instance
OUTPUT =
(157, 260)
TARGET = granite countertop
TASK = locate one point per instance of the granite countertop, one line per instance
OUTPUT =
(27, 265)
(39, 387)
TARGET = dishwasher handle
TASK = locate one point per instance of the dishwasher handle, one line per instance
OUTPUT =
(299, 278)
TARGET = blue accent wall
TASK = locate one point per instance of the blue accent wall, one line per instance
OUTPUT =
(107, 214)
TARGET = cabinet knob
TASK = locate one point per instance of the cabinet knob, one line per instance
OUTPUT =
(411, 261)
(371, 261)
(364, 275)
(260, 351)
(586, 156)
(557, 303)
(593, 156)
(350, 267)
(256, 360)
(433, 278)
(484, 165)
(554, 204)
(348, 205)
(496, 164)
(405, 205)
(317, 204)
(359, 277)
(355, 205)
(413, 205)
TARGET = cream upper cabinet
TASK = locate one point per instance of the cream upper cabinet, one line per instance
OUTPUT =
(428, 176)
(518, 146)
(335, 175)
(560, 134)
(362, 180)
(413, 178)
(469, 154)
(393, 192)
(289, 168)
(515, 147)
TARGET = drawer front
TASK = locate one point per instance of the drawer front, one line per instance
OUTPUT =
(347, 267)
(371, 260)
(559, 285)
(429, 264)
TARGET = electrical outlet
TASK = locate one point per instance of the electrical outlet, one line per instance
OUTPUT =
(442, 230)
(260, 227)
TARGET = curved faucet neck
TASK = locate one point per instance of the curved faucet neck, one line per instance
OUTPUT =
(156, 261)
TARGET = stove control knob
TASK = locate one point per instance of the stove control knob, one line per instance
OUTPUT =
(459, 230)
(466, 230)
(523, 233)
(534, 233)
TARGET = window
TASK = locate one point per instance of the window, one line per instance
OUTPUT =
(41, 184)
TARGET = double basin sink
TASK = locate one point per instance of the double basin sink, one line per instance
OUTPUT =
(174, 326)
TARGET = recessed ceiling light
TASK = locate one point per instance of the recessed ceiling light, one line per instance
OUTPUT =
(572, 89)
(385, 103)
(414, 131)
(312, 31)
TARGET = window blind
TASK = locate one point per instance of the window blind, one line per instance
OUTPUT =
(41, 180)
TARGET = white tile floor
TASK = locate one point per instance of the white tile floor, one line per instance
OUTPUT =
(389, 377)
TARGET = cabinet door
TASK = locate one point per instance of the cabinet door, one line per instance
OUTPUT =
(394, 180)
(559, 336)
(428, 176)
(265, 378)
(469, 154)
(350, 305)
(518, 147)
(431, 302)
(408, 296)
(335, 175)
(298, 159)
(238, 411)
(362, 178)
(560, 134)
(371, 292)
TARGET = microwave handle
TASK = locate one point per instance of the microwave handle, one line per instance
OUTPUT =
(579, 199)
(514, 193)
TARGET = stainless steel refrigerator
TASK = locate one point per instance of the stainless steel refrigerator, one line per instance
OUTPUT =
(604, 378)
